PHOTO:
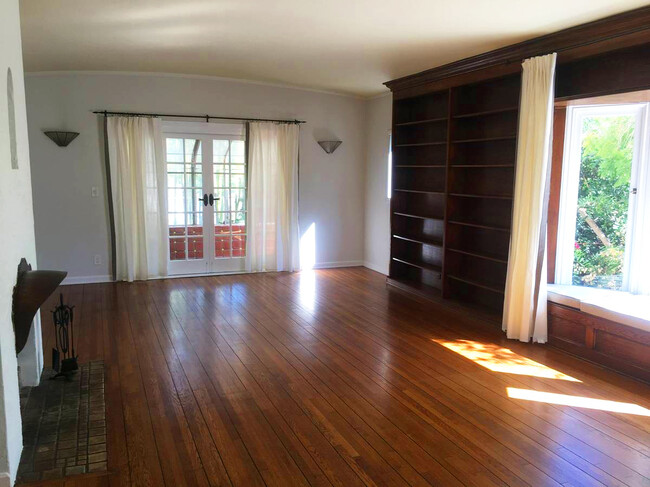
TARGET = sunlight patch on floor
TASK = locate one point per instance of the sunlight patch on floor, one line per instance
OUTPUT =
(307, 294)
(577, 401)
(499, 359)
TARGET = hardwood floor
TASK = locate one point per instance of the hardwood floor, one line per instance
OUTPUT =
(332, 378)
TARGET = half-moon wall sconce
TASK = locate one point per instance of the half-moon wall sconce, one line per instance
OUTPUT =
(329, 146)
(60, 137)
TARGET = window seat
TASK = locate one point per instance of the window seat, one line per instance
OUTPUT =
(620, 307)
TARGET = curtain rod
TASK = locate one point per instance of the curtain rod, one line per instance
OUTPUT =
(206, 117)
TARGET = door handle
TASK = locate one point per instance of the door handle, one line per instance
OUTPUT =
(208, 199)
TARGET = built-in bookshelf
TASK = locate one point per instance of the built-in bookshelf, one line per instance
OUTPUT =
(454, 157)
(419, 176)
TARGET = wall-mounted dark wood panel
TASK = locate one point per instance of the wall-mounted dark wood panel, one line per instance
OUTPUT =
(610, 344)
(612, 72)
(566, 329)
(620, 347)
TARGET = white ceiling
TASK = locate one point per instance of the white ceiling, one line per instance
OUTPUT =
(347, 46)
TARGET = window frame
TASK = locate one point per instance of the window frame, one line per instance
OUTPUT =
(570, 182)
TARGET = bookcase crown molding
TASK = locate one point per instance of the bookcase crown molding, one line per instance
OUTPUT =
(619, 31)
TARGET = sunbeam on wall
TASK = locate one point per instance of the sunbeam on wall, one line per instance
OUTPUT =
(577, 401)
(498, 359)
(308, 248)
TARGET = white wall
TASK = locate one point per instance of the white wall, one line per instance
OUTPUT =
(17, 224)
(72, 227)
(377, 204)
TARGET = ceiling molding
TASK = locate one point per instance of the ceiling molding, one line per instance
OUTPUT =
(634, 24)
(379, 95)
(43, 74)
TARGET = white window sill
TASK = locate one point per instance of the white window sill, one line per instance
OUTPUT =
(617, 306)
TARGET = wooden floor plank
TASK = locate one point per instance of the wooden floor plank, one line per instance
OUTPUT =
(332, 378)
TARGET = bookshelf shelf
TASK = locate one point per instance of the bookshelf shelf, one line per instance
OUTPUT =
(486, 112)
(420, 122)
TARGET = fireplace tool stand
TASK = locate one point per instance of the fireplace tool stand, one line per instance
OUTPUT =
(64, 358)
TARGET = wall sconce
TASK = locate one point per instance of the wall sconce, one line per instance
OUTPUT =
(61, 138)
(329, 146)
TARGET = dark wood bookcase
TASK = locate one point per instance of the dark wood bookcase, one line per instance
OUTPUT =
(454, 157)
(419, 180)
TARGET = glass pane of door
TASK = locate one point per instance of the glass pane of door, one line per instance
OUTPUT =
(185, 210)
(229, 180)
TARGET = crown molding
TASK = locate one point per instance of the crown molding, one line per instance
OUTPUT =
(45, 74)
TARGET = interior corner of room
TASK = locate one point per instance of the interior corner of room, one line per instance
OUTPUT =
(266, 246)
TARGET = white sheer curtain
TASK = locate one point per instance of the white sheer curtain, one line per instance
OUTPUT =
(524, 313)
(138, 189)
(272, 225)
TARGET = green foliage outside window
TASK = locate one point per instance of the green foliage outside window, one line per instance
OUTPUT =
(607, 149)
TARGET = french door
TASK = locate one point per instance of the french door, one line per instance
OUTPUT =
(206, 197)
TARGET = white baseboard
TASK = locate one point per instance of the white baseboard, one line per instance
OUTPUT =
(375, 267)
(68, 281)
(333, 265)
(85, 280)
(5, 480)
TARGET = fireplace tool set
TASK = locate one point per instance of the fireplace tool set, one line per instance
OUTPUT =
(64, 358)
